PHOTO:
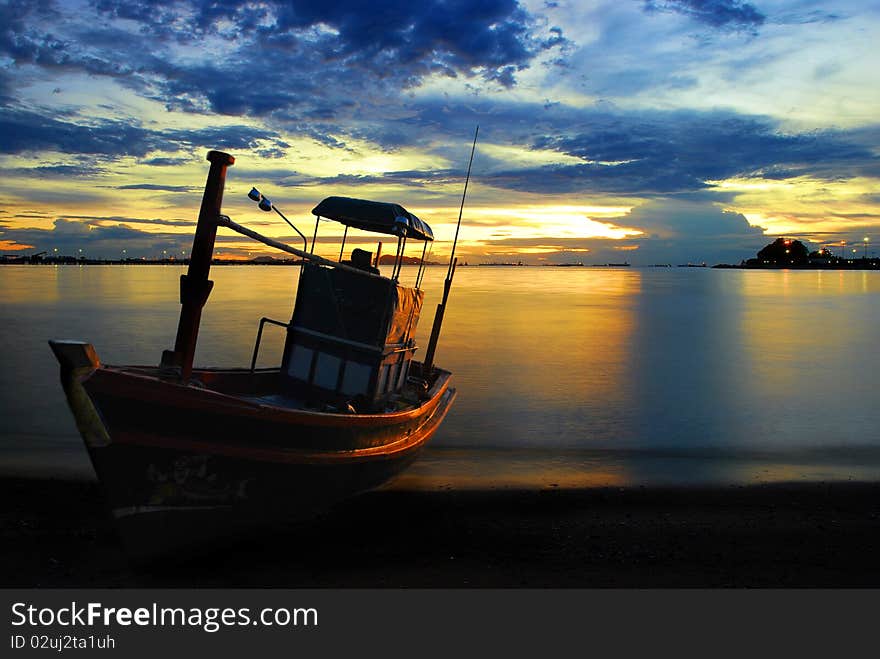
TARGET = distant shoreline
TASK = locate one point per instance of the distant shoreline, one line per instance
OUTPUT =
(179, 262)
(856, 264)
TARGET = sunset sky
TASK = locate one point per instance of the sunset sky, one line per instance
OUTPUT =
(651, 131)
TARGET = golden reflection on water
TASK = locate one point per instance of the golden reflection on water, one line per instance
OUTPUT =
(802, 334)
(540, 356)
(551, 358)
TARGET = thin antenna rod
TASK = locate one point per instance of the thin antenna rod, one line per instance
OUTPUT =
(428, 364)
(461, 208)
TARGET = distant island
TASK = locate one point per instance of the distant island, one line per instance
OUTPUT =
(793, 254)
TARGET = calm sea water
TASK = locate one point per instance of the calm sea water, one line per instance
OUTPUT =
(566, 376)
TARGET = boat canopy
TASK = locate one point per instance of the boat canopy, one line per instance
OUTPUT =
(376, 216)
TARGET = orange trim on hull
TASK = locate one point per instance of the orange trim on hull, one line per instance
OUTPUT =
(113, 380)
(392, 450)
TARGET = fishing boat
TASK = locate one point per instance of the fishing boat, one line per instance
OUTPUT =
(185, 453)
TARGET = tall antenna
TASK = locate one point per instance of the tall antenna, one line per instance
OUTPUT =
(461, 208)
(441, 308)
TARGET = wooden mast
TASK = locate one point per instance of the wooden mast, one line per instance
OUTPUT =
(195, 287)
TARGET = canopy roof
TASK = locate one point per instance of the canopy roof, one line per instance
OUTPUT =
(376, 216)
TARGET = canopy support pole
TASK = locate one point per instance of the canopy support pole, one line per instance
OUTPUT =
(421, 265)
(315, 236)
(342, 247)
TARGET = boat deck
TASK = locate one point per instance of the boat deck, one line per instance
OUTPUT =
(263, 387)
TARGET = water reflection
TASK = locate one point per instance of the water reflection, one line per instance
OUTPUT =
(539, 359)
(662, 373)
(810, 341)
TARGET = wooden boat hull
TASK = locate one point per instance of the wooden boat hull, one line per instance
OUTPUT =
(181, 463)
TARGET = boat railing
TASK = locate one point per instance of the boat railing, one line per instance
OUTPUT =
(263, 322)
(225, 221)
(388, 349)
(384, 350)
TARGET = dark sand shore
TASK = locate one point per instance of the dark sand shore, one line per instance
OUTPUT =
(56, 534)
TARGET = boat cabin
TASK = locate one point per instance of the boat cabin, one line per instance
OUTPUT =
(350, 341)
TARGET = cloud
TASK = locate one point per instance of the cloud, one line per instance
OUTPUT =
(153, 186)
(336, 57)
(602, 150)
(163, 162)
(611, 150)
(728, 14)
(682, 232)
(99, 220)
(68, 171)
(667, 152)
(23, 131)
(374, 84)
(107, 237)
(675, 231)
(96, 241)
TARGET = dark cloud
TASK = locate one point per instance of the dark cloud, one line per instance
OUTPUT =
(629, 153)
(6, 87)
(23, 131)
(668, 152)
(97, 241)
(334, 57)
(83, 170)
(408, 178)
(647, 153)
(154, 186)
(99, 220)
(224, 138)
(163, 162)
(730, 14)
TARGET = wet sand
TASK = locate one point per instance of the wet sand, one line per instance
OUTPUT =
(55, 533)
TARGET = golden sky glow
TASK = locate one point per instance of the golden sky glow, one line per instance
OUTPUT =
(666, 132)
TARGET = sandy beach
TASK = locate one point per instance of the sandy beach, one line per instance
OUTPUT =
(57, 534)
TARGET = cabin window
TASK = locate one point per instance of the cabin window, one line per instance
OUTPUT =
(300, 363)
(356, 379)
(327, 371)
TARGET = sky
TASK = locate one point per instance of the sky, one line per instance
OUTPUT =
(646, 131)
